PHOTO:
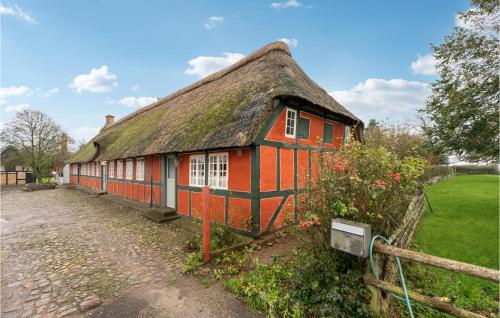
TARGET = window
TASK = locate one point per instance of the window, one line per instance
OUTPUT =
(347, 134)
(119, 169)
(97, 166)
(217, 170)
(328, 134)
(291, 122)
(197, 170)
(304, 124)
(84, 169)
(139, 169)
(111, 166)
(129, 169)
(91, 169)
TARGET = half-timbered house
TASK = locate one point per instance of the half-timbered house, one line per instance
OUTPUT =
(249, 131)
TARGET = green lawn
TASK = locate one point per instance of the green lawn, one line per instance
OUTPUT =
(463, 226)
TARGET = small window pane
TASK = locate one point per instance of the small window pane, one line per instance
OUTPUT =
(171, 168)
(328, 134)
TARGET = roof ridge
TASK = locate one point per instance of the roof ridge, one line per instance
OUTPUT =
(255, 55)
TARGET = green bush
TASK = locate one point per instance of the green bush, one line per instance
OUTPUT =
(369, 185)
(321, 285)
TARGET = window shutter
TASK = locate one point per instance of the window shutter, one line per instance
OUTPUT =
(328, 134)
(303, 128)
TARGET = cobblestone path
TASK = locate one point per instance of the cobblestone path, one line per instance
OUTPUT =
(64, 252)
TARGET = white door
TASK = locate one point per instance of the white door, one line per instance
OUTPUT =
(104, 176)
(171, 181)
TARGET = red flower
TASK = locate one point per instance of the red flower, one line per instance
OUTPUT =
(305, 224)
(340, 165)
(396, 176)
(316, 222)
(379, 183)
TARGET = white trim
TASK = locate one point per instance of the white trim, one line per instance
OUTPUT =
(197, 179)
(347, 134)
(119, 169)
(218, 177)
(131, 170)
(294, 123)
(111, 169)
(140, 170)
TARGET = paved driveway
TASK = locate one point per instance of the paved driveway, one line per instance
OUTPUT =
(64, 252)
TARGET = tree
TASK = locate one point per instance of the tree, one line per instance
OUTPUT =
(403, 139)
(464, 103)
(37, 138)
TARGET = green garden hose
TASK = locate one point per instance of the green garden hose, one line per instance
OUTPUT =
(406, 298)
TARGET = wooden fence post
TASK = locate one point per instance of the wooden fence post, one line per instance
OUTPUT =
(206, 225)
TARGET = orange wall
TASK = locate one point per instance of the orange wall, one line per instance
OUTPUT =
(286, 169)
(315, 130)
(267, 168)
(277, 131)
(130, 189)
(239, 170)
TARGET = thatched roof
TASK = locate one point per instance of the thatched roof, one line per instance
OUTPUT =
(225, 109)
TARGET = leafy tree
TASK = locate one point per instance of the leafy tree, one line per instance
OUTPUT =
(404, 139)
(464, 102)
(37, 138)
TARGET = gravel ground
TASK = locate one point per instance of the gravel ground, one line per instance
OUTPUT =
(69, 253)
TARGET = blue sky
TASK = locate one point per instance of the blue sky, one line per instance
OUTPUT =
(80, 60)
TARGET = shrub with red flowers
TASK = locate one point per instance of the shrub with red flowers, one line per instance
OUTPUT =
(369, 185)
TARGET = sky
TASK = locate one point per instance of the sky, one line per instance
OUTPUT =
(81, 60)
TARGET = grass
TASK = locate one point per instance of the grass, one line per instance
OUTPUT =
(464, 227)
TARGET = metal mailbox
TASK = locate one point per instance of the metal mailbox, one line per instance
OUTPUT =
(351, 237)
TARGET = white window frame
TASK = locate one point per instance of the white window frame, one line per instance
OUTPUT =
(218, 177)
(139, 169)
(92, 169)
(294, 127)
(119, 169)
(347, 134)
(129, 169)
(197, 175)
(97, 167)
(111, 169)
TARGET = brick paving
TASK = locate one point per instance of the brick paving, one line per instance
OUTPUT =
(65, 252)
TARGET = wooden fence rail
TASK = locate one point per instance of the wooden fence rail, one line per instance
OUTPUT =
(455, 266)
(431, 302)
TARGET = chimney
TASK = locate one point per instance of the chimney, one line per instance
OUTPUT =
(109, 120)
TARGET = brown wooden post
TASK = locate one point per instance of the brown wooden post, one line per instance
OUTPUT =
(206, 225)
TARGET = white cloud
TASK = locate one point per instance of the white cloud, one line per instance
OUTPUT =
(99, 80)
(132, 101)
(15, 91)
(290, 42)
(424, 65)
(135, 87)
(287, 4)
(213, 22)
(202, 66)
(85, 133)
(51, 92)
(16, 108)
(384, 99)
(17, 12)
